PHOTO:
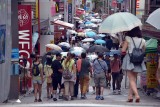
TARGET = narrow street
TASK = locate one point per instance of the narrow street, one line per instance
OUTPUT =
(109, 101)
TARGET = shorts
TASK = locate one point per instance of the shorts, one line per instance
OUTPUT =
(57, 81)
(100, 79)
(37, 81)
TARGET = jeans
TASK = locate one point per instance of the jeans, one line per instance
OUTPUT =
(84, 82)
(76, 86)
(115, 81)
(69, 88)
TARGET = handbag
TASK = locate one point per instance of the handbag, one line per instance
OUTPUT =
(67, 74)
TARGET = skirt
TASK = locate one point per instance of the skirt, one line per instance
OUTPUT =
(128, 66)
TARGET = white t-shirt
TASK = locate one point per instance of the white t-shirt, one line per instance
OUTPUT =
(73, 38)
(137, 42)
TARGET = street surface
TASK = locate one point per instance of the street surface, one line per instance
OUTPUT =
(109, 101)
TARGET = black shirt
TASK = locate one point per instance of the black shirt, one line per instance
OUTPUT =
(56, 65)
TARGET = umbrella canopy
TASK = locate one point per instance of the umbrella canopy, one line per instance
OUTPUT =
(64, 54)
(81, 34)
(88, 40)
(64, 44)
(85, 46)
(90, 34)
(153, 18)
(88, 22)
(87, 30)
(77, 50)
(97, 37)
(101, 35)
(100, 41)
(82, 25)
(92, 57)
(54, 52)
(112, 52)
(97, 48)
(119, 22)
(72, 31)
(80, 30)
(53, 46)
(96, 20)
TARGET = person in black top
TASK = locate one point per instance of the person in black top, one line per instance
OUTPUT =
(57, 76)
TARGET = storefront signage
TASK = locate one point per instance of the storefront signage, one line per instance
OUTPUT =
(61, 6)
(70, 13)
(151, 70)
(25, 31)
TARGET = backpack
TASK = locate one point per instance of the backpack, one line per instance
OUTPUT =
(137, 55)
(35, 70)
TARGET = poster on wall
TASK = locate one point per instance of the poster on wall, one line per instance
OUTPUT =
(2, 43)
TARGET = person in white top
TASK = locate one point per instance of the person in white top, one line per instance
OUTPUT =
(133, 36)
(73, 39)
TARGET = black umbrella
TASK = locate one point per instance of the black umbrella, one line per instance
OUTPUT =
(97, 48)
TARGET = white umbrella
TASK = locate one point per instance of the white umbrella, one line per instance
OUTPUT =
(85, 46)
(96, 20)
(53, 46)
(92, 56)
(77, 50)
(72, 31)
(119, 22)
(86, 30)
(64, 44)
(153, 18)
(76, 18)
(88, 40)
(64, 54)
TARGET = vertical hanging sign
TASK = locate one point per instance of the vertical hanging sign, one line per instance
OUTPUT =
(70, 11)
(25, 31)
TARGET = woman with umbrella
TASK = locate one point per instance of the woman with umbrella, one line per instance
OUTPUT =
(132, 69)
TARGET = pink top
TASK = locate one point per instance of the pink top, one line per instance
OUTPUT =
(115, 65)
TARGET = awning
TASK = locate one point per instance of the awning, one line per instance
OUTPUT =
(62, 23)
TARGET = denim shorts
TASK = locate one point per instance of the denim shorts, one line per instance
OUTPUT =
(37, 81)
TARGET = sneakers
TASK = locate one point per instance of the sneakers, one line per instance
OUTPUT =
(54, 99)
(83, 97)
(60, 97)
(39, 100)
(119, 91)
(97, 98)
(101, 98)
(35, 100)
(114, 91)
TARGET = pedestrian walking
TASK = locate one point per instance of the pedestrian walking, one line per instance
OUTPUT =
(69, 68)
(84, 75)
(108, 79)
(57, 77)
(100, 70)
(133, 41)
(48, 73)
(115, 65)
(37, 77)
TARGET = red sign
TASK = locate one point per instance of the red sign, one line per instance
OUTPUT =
(25, 31)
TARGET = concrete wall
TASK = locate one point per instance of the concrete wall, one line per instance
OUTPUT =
(5, 68)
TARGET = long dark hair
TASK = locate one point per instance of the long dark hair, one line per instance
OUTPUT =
(135, 32)
(69, 57)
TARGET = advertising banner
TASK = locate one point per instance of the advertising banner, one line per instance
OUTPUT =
(70, 13)
(152, 63)
(2, 43)
(25, 32)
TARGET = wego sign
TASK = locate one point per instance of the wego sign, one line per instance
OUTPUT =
(25, 31)
(23, 17)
